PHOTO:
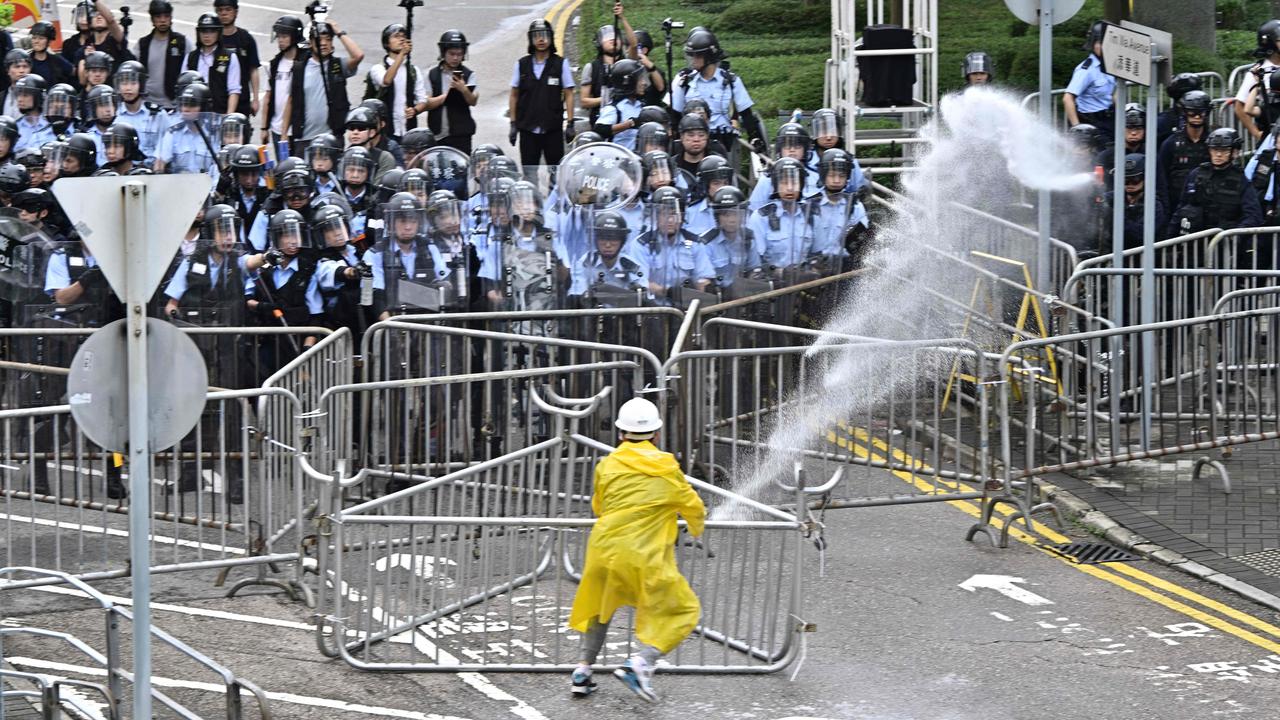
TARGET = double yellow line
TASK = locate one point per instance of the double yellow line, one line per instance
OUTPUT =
(1171, 595)
(559, 16)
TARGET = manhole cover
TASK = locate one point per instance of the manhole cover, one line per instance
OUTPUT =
(1267, 561)
(1086, 553)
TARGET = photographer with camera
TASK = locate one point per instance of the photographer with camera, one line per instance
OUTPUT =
(449, 106)
(1267, 54)
(723, 91)
(397, 83)
(613, 43)
(327, 74)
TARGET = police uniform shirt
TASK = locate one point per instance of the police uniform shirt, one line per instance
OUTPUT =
(787, 245)
(857, 178)
(57, 274)
(565, 82)
(671, 263)
(177, 286)
(279, 276)
(700, 219)
(730, 257)
(763, 191)
(10, 106)
(620, 112)
(185, 149)
(329, 269)
(831, 217)
(491, 263)
(101, 149)
(590, 270)
(1268, 146)
(258, 233)
(407, 260)
(1091, 86)
(720, 96)
(204, 64)
(33, 133)
(572, 227)
(149, 124)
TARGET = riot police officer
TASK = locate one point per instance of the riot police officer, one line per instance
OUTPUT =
(792, 141)
(1185, 150)
(714, 172)
(186, 146)
(121, 151)
(403, 263)
(618, 119)
(459, 262)
(606, 267)
(1170, 119)
(288, 294)
(840, 224)
(726, 97)
(1134, 192)
(1088, 98)
(732, 245)
(1217, 193)
(346, 281)
(978, 69)
(784, 236)
(678, 262)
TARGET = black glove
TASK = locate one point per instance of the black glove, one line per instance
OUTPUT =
(758, 145)
(272, 258)
(267, 311)
(364, 270)
(92, 278)
(512, 134)
(568, 132)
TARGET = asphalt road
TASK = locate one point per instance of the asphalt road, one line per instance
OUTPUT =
(898, 636)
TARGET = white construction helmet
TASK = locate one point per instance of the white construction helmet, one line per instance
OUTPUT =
(638, 416)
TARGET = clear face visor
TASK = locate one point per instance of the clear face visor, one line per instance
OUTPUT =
(404, 226)
(419, 186)
(104, 100)
(233, 131)
(115, 142)
(731, 219)
(445, 217)
(289, 237)
(356, 172)
(652, 141)
(609, 241)
(53, 157)
(836, 175)
(787, 180)
(128, 82)
(715, 179)
(82, 14)
(825, 125)
(525, 203)
(330, 233)
(537, 35)
(667, 216)
(793, 142)
(660, 175)
(223, 232)
(326, 155)
(190, 108)
(32, 96)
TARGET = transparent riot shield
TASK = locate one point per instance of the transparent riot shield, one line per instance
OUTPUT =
(449, 232)
(24, 252)
(599, 175)
(413, 279)
(76, 291)
(448, 168)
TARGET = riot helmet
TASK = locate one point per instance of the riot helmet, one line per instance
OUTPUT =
(234, 129)
(787, 175)
(714, 172)
(835, 167)
(220, 228)
(30, 88)
(652, 136)
(1094, 35)
(14, 178)
(540, 29)
(82, 155)
(1182, 83)
(792, 137)
(656, 114)
(417, 140)
(453, 39)
(976, 63)
(404, 218)
(130, 80)
(287, 231)
(444, 213)
(659, 169)
(121, 143)
(666, 207)
(628, 77)
(330, 227)
(323, 153)
(702, 44)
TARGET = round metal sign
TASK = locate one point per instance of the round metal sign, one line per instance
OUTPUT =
(177, 383)
(1028, 11)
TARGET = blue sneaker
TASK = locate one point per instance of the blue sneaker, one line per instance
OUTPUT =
(636, 674)
(583, 685)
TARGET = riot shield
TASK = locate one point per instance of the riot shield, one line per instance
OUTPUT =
(734, 256)
(448, 168)
(599, 175)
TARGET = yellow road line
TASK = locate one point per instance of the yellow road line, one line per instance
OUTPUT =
(559, 19)
(1103, 574)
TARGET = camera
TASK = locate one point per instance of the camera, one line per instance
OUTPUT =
(669, 25)
(318, 11)
(410, 3)
(125, 20)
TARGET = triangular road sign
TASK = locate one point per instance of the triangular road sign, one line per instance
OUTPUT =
(95, 207)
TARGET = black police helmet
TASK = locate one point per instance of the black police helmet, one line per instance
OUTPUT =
(361, 118)
(9, 129)
(416, 140)
(160, 7)
(32, 200)
(290, 25)
(692, 123)
(1196, 100)
(14, 178)
(452, 39)
(98, 60)
(1182, 83)
(728, 198)
(43, 29)
(1135, 165)
(1094, 35)
(1224, 138)
(625, 74)
(702, 42)
(667, 195)
(1268, 34)
(83, 147)
(610, 225)
(246, 157)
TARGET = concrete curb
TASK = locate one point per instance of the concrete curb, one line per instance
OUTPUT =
(1073, 508)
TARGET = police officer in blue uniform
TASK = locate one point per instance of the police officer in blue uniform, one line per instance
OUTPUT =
(784, 236)
(1089, 94)
(619, 118)
(840, 223)
(187, 147)
(145, 116)
(676, 258)
(606, 272)
(726, 97)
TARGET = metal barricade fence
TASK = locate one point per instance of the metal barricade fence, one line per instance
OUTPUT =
(476, 569)
(117, 686)
(918, 409)
(64, 501)
(1214, 386)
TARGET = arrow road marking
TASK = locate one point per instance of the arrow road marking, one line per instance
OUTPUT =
(1005, 585)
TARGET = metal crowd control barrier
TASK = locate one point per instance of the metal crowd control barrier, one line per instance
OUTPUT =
(918, 409)
(64, 504)
(1214, 387)
(476, 569)
(118, 682)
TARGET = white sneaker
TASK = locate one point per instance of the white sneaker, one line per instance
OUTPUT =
(583, 685)
(636, 674)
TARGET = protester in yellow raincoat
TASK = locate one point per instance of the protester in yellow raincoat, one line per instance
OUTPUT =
(631, 559)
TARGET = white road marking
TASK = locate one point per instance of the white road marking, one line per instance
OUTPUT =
(1001, 616)
(162, 539)
(1005, 585)
(291, 698)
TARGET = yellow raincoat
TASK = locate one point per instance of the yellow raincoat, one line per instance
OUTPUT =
(631, 558)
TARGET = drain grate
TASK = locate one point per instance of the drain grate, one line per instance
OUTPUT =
(1086, 553)
(1267, 561)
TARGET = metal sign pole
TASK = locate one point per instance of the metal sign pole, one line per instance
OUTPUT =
(135, 242)
(1046, 115)
(1118, 300)
(1149, 251)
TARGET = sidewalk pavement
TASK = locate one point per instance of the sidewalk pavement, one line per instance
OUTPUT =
(1236, 534)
